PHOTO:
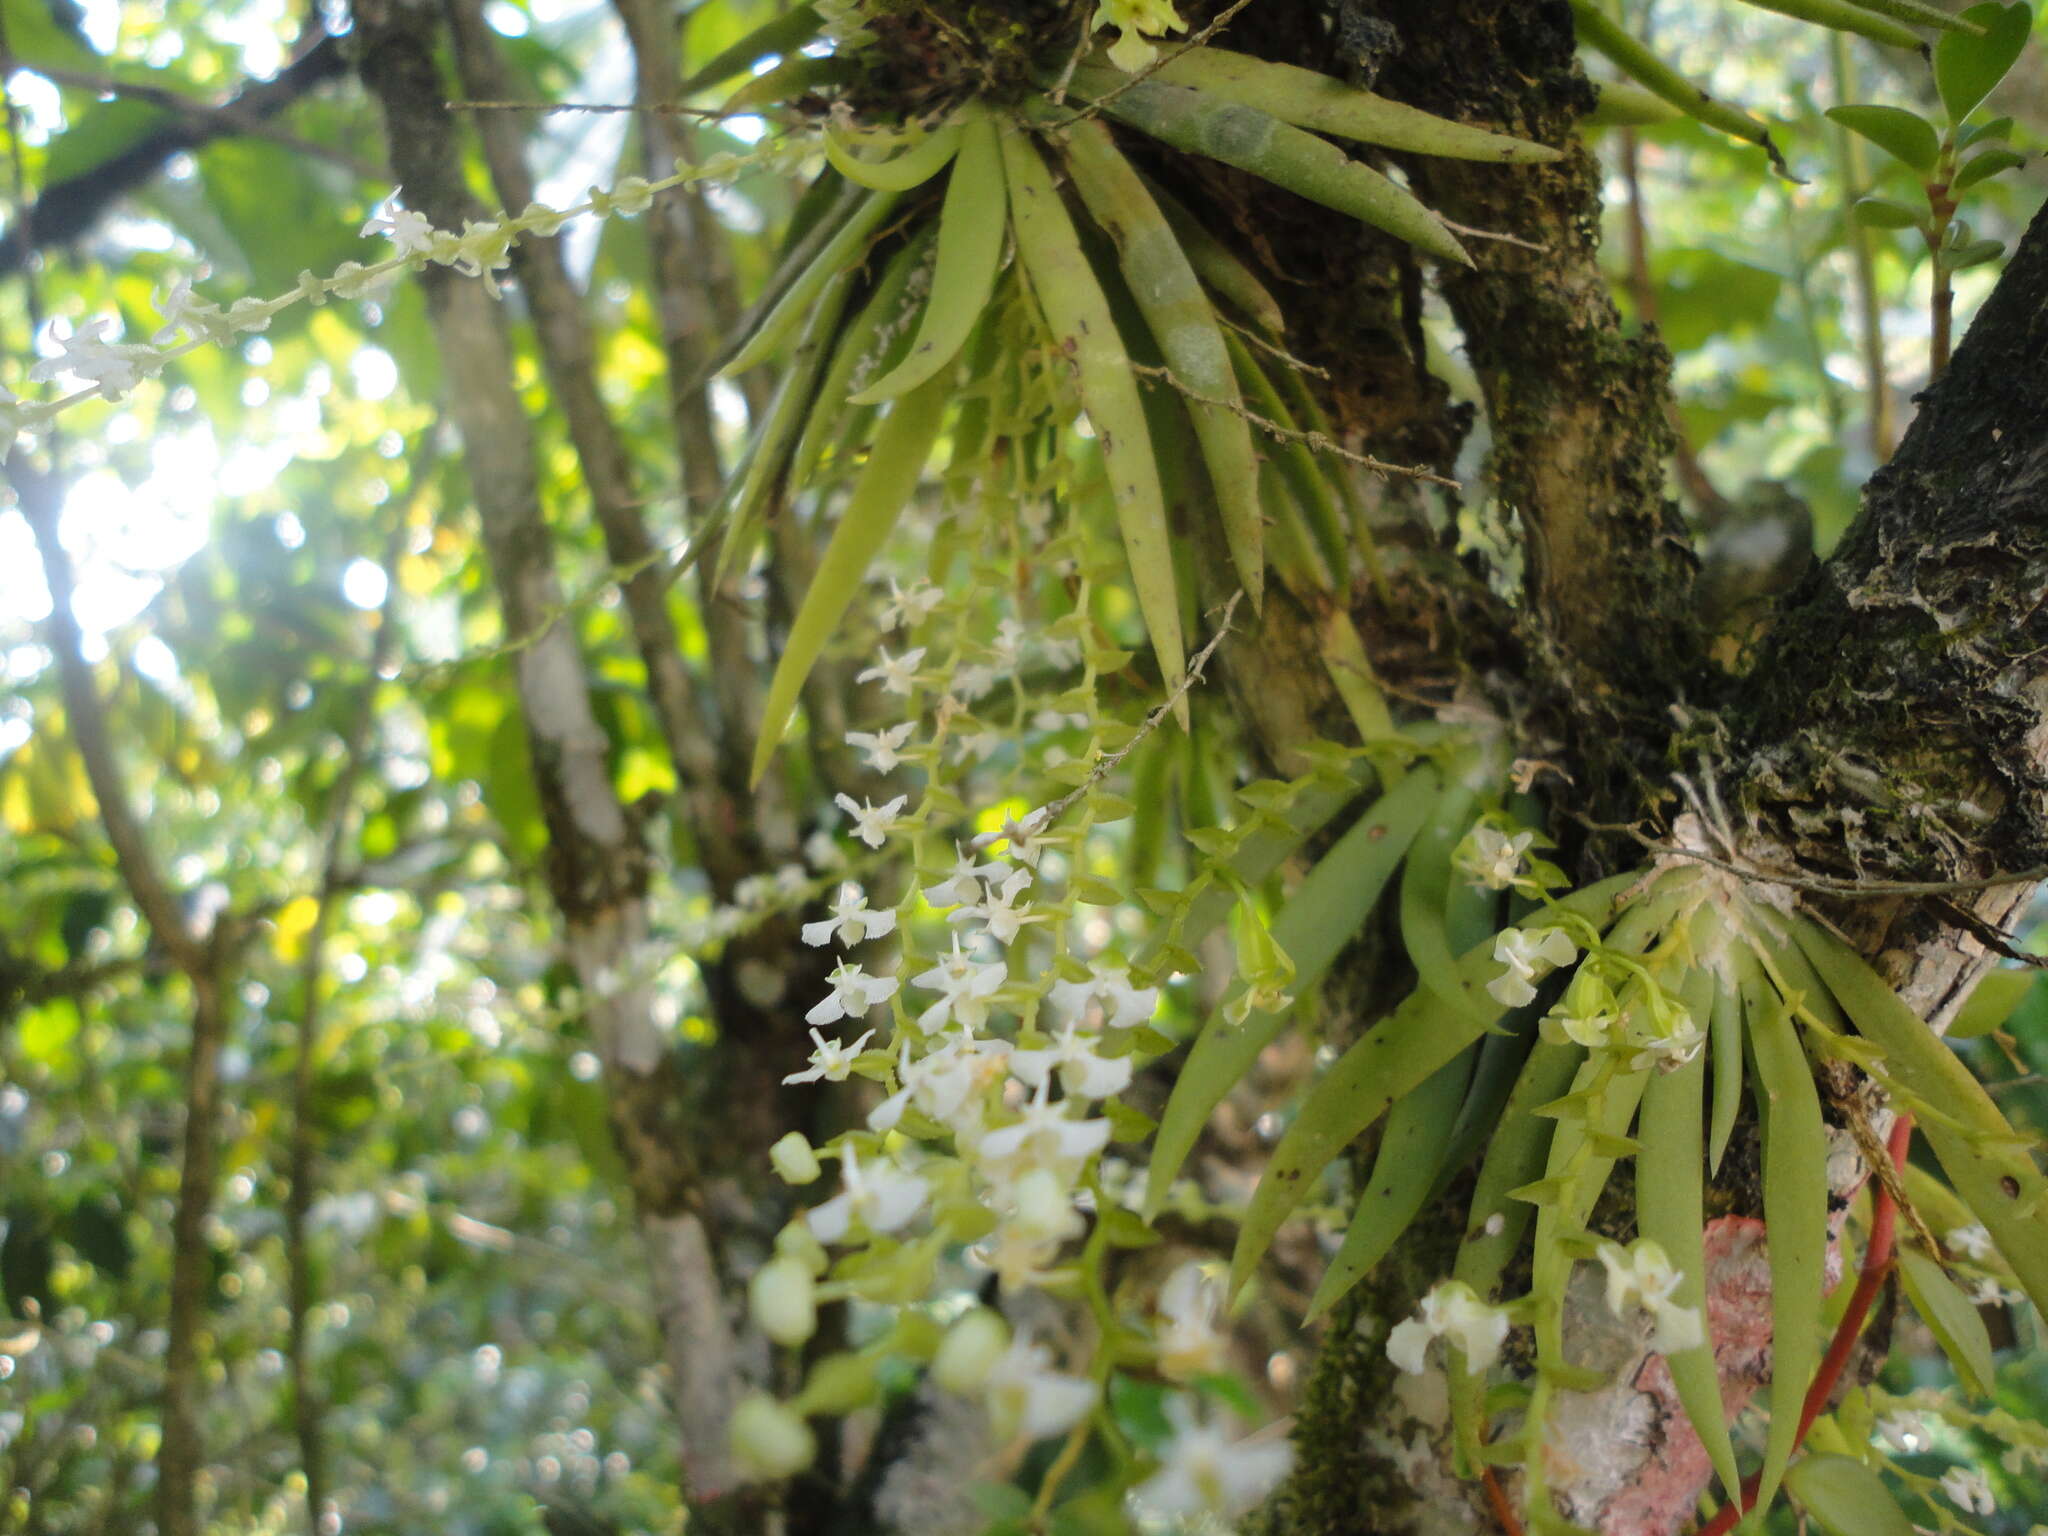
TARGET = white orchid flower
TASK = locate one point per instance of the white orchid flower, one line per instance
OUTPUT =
(881, 1199)
(896, 674)
(1044, 1137)
(964, 985)
(872, 823)
(831, 1061)
(882, 750)
(1203, 1471)
(851, 921)
(1452, 1309)
(1527, 955)
(998, 912)
(1082, 1073)
(1190, 1343)
(853, 993)
(1026, 1396)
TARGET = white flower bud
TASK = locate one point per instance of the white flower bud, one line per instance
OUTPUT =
(783, 1302)
(796, 1242)
(769, 1441)
(794, 1159)
(969, 1351)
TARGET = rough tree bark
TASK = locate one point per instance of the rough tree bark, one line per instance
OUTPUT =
(1899, 729)
(1893, 727)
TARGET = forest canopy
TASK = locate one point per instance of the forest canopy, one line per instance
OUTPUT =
(1011, 766)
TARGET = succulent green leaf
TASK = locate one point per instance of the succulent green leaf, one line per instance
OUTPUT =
(1905, 136)
(1986, 1161)
(1425, 890)
(1846, 1497)
(1842, 16)
(1978, 133)
(1975, 254)
(1724, 1041)
(1316, 101)
(1887, 213)
(1795, 1154)
(1599, 32)
(1084, 332)
(778, 35)
(1981, 167)
(1326, 909)
(1968, 68)
(1169, 295)
(901, 447)
(1392, 1059)
(1274, 151)
(1670, 1210)
(1987, 1008)
(1411, 1150)
(1951, 1316)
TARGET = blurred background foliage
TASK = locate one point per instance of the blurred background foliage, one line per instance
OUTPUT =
(482, 1337)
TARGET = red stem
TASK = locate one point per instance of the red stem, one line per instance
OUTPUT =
(1877, 1263)
(1503, 1511)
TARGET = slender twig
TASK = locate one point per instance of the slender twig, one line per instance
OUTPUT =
(1819, 884)
(1166, 57)
(1315, 442)
(1051, 812)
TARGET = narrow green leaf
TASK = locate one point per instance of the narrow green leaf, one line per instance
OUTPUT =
(1975, 254)
(1966, 68)
(1316, 101)
(1795, 1155)
(1624, 105)
(1982, 1155)
(1887, 212)
(778, 35)
(1411, 1150)
(1905, 136)
(1264, 146)
(1425, 887)
(1393, 1058)
(1987, 1008)
(1842, 16)
(1326, 909)
(1177, 311)
(1222, 268)
(863, 342)
(1724, 1039)
(1983, 166)
(1978, 133)
(1919, 13)
(1599, 32)
(1951, 1316)
(796, 302)
(1846, 1497)
(1291, 456)
(1670, 1210)
(1077, 314)
(879, 496)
